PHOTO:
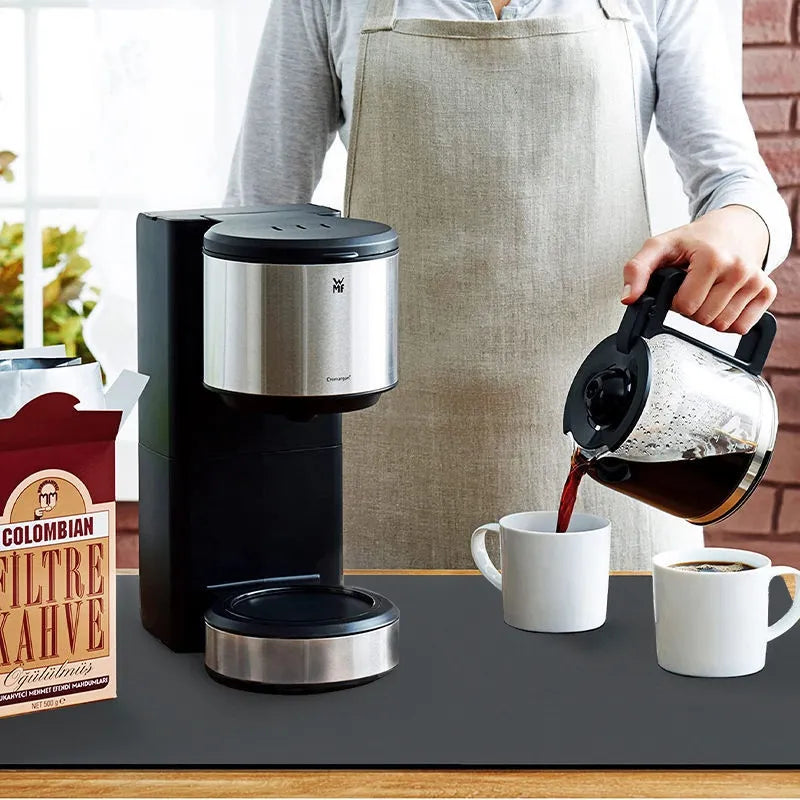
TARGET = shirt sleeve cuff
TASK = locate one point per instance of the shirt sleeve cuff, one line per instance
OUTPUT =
(770, 206)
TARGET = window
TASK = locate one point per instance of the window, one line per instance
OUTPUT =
(47, 109)
(115, 107)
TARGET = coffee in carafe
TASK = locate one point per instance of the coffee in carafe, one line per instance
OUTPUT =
(670, 420)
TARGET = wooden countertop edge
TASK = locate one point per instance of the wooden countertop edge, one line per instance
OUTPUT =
(400, 783)
(790, 582)
(123, 571)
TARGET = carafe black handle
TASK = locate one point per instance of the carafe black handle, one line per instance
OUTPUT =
(646, 317)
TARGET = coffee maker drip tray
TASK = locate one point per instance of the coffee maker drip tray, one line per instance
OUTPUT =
(308, 638)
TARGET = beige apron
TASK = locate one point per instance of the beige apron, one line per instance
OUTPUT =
(507, 156)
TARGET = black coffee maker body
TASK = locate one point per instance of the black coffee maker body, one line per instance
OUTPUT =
(240, 427)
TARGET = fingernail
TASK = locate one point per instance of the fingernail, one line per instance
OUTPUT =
(626, 291)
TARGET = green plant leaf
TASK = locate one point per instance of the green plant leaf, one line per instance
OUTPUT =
(71, 328)
(10, 277)
(75, 267)
(11, 243)
(51, 246)
(51, 293)
(7, 158)
(66, 298)
(11, 337)
(71, 241)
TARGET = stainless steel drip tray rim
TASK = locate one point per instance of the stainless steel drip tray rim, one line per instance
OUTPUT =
(303, 638)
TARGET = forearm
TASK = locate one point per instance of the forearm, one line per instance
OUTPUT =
(768, 205)
(701, 117)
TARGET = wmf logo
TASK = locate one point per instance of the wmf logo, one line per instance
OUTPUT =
(338, 285)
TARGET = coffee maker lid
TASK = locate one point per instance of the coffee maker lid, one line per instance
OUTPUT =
(298, 237)
(607, 395)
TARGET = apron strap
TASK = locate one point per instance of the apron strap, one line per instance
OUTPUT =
(613, 9)
(380, 16)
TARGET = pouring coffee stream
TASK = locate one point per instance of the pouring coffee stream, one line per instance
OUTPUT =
(578, 466)
(670, 420)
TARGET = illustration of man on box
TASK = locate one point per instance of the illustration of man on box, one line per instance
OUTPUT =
(48, 497)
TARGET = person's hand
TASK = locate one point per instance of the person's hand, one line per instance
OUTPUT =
(725, 287)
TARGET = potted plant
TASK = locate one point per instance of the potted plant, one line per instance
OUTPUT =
(67, 299)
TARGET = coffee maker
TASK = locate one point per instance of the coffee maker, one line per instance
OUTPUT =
(258, 328)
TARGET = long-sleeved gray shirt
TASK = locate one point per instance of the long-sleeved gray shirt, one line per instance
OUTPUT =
(301, 96)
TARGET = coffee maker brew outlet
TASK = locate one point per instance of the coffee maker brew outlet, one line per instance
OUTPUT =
(258, 327)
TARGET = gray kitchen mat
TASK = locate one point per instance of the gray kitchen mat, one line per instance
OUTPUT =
(469, 692)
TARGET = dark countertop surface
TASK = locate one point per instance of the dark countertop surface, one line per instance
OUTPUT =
(469, 692)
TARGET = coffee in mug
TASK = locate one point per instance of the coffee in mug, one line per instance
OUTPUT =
(711, 608)
(713, 566)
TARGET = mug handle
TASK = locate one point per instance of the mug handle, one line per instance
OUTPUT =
(793, 614)
(481, 557)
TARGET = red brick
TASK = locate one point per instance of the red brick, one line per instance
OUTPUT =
(755, 516)
(781, 552)
(719, 536)
(789, 519)
(785, 353)
(770, 115)
(797, 33)
(782, 156)
(789, 197)
(127, 550)
(767, 21)
(785, 466)
(794, 207)
(787, 395)
(128, 517)
(771, 70)
(787, 278)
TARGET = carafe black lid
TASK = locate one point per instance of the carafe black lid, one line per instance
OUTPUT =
(298, 237)
(609, 390)
(607, 395)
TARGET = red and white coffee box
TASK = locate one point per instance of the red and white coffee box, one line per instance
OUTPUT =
(57, 548)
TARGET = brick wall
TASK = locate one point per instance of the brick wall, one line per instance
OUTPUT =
(770, 522)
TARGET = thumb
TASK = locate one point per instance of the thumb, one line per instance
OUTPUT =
(655, 252)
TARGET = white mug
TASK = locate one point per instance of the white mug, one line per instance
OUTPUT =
(715, 624)
(551, 582)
